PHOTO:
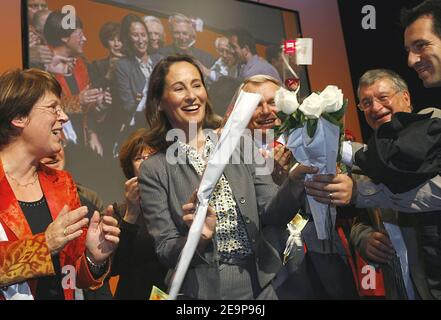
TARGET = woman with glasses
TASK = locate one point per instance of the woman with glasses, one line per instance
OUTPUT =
(43, 230)
(81, 101)
(135, 261)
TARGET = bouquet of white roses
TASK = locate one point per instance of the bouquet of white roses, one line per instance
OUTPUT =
(314, 132)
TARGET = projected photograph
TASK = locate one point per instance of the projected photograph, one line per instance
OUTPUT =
(102, 53)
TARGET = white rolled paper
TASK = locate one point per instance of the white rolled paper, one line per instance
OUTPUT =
(238, 120)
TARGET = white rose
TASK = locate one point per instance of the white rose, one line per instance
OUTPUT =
(312, 107)
(333, 97)
(286, 101)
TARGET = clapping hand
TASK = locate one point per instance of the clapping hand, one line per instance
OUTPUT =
(102, 236)
(65, 228)
(132, 196)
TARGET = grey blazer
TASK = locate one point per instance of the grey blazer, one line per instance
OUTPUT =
(129, 81)
(165, 188)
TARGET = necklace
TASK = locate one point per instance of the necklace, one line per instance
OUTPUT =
(26, 184)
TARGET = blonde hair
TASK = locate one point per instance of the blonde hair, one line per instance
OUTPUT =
(150, 19)
(180, 18)
(258, 79)
(218, 41)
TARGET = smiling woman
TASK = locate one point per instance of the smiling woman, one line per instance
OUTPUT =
(177, 98)
(184, 97)
(39, 235)
(132, 74)
(233, 259)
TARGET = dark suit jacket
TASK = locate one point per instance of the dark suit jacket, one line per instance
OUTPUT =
(135, 260)
(423, 256)
(166, 187)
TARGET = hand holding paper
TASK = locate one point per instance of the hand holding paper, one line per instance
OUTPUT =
(209, 227)
(242, 112)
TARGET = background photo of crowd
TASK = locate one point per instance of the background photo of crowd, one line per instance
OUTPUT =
(104, 64)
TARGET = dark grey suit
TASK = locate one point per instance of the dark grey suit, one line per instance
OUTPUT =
(129, 82)
(165, 188)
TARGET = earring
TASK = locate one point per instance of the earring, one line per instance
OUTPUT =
(159, 108)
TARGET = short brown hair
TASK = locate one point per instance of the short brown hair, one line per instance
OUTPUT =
(430, 8)
(54, 31)
(132, 147)
(19, 92)
(109, 31)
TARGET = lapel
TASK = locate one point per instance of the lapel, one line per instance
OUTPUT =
(11, 214)
(80, 74)
(231, 176)
(231, 173)
(235, 176)
(53, 185)
(138, 76)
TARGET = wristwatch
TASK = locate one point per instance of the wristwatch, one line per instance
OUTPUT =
(96, 268)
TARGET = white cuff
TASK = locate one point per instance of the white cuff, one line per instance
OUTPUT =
(346, 153)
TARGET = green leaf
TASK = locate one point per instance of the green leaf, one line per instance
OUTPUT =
(338, 115)
(344, 169)
(282, 115)
(331, 119)
(311, 127)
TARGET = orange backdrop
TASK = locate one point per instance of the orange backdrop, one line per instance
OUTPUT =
(319, 19)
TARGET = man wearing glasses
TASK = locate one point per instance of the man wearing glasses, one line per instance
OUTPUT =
(422, 41)
(226, 65)
(382, 93)
(387, 238)
(407, 246)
